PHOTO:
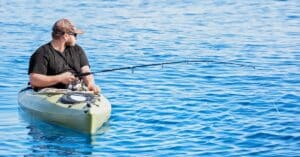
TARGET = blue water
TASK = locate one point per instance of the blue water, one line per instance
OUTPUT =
(203, 109)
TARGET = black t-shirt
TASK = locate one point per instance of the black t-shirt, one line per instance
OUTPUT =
(48, 61)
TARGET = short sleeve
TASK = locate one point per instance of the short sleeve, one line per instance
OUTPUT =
(38, 63)
(83, 58)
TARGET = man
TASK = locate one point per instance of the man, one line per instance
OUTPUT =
(56, 63)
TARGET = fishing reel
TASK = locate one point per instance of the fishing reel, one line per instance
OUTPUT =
(77, 85)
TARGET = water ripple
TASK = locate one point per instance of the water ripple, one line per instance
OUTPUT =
(203, 109)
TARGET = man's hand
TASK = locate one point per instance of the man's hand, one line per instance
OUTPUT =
(66, 77)
(94, 88)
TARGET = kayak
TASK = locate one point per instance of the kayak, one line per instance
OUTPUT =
(79, 110)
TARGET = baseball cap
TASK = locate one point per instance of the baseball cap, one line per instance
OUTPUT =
(65, 26)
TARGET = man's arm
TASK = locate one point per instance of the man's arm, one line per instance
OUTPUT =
(89, 80)
(40, 80)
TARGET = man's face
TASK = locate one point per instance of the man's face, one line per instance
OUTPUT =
(71, 40)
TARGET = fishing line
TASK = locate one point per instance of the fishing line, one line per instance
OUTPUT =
(162, 65)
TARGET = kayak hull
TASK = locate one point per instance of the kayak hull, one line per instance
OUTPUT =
(86, 117)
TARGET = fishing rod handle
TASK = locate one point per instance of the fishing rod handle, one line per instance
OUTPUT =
(83, 74)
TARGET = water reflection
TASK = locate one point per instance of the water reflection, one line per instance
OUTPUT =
(52, 140)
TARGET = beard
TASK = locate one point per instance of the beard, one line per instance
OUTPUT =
(70, 43)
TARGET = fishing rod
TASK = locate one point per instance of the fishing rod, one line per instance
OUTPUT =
(162, 64)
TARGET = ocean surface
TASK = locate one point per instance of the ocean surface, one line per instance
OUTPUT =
(244, 102)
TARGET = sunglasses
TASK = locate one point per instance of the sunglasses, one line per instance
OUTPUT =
(74, 34)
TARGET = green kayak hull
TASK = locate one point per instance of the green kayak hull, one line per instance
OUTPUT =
(83, 116)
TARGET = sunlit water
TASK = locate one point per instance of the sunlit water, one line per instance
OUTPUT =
(203, 109)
